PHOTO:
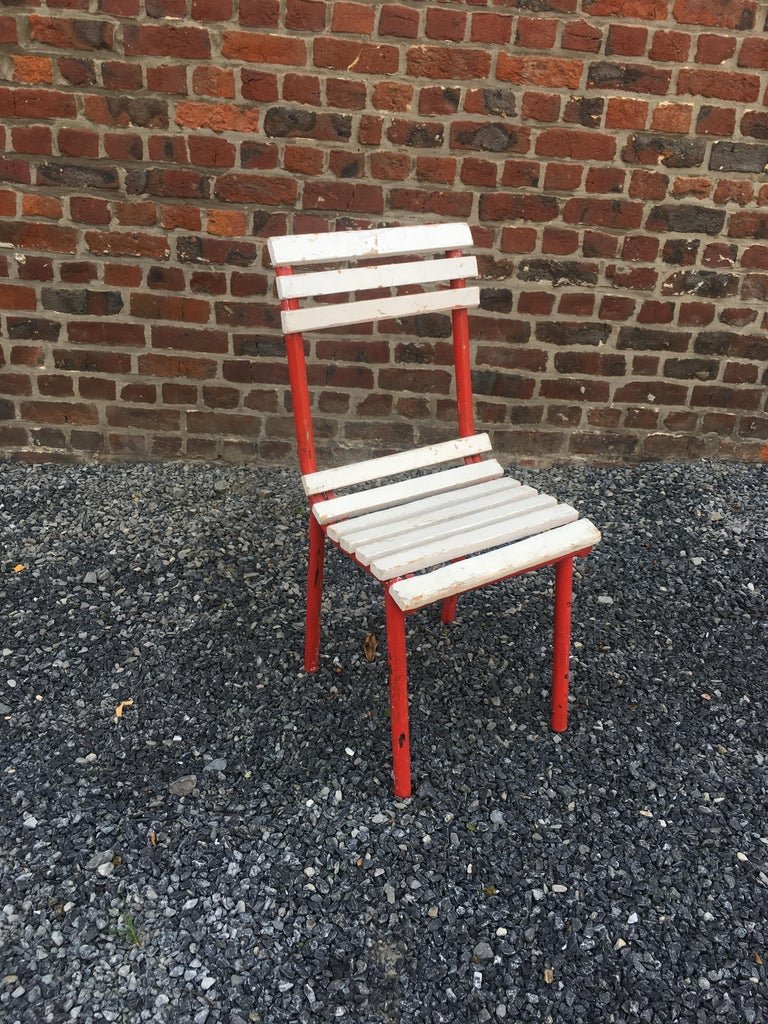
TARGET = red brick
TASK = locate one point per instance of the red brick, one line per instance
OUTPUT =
(42, 206)
(217, 117)
(8, 31)
(438, 169)
(354, 18)
(390, 166)
(723, 85)
(627, 40)
(672, 117)
(714, 49)
(72, 413)
(305, 15)
(450, 63)
(212, 10)
(547, 71)
(541, 106)
(643, 10)
(77, 142)
(342, 54)
(754, 53)
(392, 96)
(491, 28)
(536, 33)
(17, 297)
(343, 196)
(574, 144)
(37, 103)
(208, 80)
(207, 152)
(258, 85)
(670, 46)
(32, 139)
(402, 22)
(246, 188)
(171, 307)
(264, 49)
(168, 78)
(127, 243)
(562, 177)
(190, 367)
(260, 13)
(32, 70)
(582, 36)
(736, 14)
(445, 24)
(182, 41)
(626, 113)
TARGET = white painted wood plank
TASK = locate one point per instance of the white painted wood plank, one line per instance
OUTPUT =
(391, 465)
(357, 279)
(433, 537)
(471, 542)
(394, 532)
(347, 529)
(317, 318)
(395, 494)
(473, 572)
(296, 250)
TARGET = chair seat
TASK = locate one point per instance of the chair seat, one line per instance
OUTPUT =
(400, 529)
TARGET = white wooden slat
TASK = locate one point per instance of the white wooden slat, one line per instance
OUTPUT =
(357, 279)
(474, 572)
(395, 494)
(407, 521)
(345, 530)
(334, 246)
(469, 543)
(391, 465)
(413, 545)
(317, 318)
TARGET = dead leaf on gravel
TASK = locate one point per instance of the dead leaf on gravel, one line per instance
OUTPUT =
(19, 567)
(757, 958)
(122, 706)
(369, 647)
(549, 975)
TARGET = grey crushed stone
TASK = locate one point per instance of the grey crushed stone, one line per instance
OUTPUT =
(616, 873)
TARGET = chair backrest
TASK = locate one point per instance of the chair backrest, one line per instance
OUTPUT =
(374, 263)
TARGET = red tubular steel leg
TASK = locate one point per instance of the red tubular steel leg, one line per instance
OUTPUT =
(448, 611)
(398, 697)
(314, 595)
(562, 643)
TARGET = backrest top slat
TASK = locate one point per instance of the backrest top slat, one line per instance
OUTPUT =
(333, 247)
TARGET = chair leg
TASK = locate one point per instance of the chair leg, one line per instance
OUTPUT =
(562, 643)
(314, 595)
(398, 697)
(448, 611)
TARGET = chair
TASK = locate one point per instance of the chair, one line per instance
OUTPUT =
(446, 531)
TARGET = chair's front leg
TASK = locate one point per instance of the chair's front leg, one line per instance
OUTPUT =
(314, 595)
(398, 697)
(562, 643)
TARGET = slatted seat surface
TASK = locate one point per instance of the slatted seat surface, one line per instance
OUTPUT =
(416, 533)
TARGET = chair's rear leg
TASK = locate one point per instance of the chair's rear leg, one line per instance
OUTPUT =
(562, 643)
(448, 611)
(398, 697)
(314, 595)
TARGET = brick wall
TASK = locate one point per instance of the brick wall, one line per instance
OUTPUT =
(610, 155)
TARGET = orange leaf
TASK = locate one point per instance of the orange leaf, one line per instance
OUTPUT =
(122, 706)
(19, 567)
(369, 647)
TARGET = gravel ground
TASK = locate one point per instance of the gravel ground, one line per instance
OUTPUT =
(228, 849)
